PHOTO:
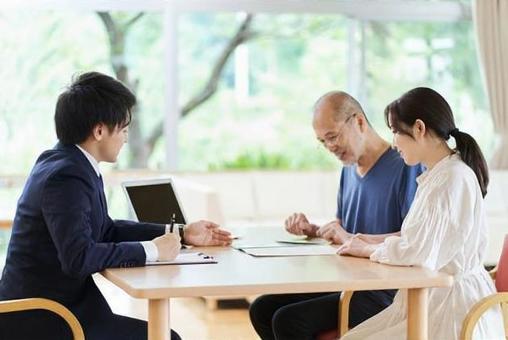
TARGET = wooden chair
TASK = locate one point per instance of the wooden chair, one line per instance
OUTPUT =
(343, 322)
(500, 275)
(49, 305)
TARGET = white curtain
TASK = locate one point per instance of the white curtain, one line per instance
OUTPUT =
(491, 23)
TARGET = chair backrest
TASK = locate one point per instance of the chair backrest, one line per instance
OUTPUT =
(501, 281)
(502, 269)
(10, 306)
(500, 275)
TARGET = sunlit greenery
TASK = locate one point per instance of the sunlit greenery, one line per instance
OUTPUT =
(291, 62)
(439, 55)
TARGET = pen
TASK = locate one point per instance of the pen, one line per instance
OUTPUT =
(173, 218)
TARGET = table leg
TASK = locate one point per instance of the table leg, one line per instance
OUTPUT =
(417, 314)
(158, 319)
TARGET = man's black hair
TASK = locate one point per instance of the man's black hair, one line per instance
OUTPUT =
(93, 98)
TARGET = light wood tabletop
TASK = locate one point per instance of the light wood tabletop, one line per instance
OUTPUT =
(237, 273)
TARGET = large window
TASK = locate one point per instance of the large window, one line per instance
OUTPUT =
(295, 59)
(259, 112)
(42, 50)
(260, 116)
(400, 56)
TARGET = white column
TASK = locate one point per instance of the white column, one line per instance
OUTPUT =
(171, 105)
(362, 86)
(356, 85)
(242, 66)
(242, 73)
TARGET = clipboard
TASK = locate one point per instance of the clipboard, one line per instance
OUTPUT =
(186, 258)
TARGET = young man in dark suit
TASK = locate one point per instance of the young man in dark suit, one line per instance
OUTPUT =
(62, 233)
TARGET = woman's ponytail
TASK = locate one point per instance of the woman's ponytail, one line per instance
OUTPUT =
(471, 154)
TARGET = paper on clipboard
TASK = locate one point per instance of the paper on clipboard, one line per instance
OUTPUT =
(186, 258)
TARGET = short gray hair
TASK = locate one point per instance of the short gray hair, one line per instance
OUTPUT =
(342, 103)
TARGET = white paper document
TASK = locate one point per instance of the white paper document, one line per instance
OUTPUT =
(303, 240)
(291, 251)
(186, 258)
(285, 241)
(244, 245)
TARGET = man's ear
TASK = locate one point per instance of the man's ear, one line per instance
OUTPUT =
(98, 131)
(419, 128)
(362, 122)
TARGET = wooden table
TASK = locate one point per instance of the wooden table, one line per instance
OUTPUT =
(240, 274)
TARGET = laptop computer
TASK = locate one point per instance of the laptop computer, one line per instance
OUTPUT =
(154, 201)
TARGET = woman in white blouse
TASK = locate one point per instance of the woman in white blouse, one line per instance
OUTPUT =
(445, 228)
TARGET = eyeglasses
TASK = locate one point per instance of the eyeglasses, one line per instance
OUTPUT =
(337, 137)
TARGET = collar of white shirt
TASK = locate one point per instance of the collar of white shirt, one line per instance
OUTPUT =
(91, 159)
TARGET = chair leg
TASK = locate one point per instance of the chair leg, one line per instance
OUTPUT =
(343, 322)
(504, 310)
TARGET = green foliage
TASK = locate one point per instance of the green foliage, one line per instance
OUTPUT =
(401, 56)
(288, 72)
(40, 53)
(293, 60)
(255, 159)
(266, 160)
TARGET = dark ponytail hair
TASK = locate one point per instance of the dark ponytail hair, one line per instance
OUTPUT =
(431, 108)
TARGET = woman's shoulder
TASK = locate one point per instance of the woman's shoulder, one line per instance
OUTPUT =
(457, 169)
(456, 176)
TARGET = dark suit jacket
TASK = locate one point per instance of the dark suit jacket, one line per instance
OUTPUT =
(62, 233)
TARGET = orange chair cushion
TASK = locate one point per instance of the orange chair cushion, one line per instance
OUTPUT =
(502, 269)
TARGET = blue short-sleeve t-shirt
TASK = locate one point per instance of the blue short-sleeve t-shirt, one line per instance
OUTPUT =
(377, 202)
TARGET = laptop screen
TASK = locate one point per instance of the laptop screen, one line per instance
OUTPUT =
(154, 202)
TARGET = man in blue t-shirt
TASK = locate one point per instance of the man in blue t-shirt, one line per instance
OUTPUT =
(376, 191)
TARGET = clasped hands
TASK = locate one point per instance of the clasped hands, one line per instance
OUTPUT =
(358, 245)
(355, 245)
(298, 224)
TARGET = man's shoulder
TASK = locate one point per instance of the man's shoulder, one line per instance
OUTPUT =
(56, 160)
(392, 157)
(394, 162)
(59, 163)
